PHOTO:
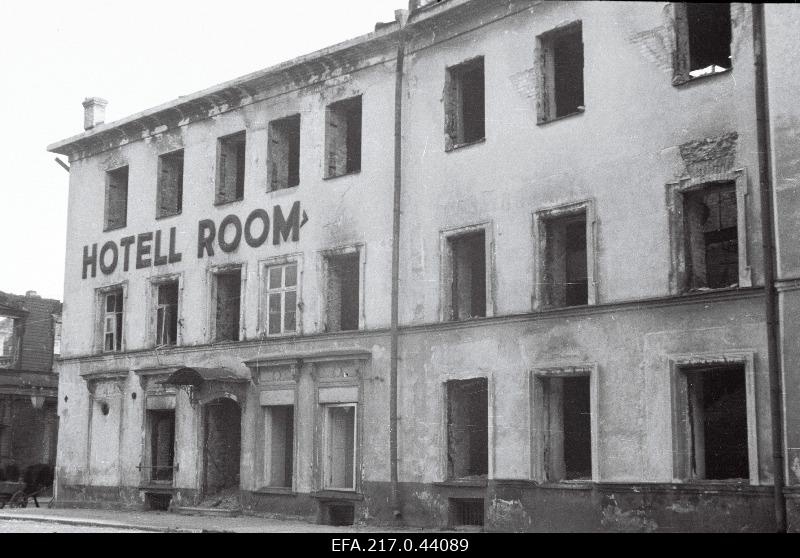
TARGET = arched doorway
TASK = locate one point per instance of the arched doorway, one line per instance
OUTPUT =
(222, 439)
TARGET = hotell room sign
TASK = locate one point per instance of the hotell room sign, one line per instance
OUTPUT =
(154, 249)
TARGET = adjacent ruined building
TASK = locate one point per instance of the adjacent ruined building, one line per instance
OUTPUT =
(495, 264)
(30, 334)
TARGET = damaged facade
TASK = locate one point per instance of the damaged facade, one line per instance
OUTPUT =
(30, 338)
(578, 339)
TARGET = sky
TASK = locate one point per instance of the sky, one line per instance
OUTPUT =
(137, 55)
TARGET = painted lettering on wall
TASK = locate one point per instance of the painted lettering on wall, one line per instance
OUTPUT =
(150, 248)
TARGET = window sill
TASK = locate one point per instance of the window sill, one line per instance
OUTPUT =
(678, 81)
(457, 146)
(465, 483)
(583, 484)
(162, 217)
(337, 494)
(284, 190)
(118, 227)
(223, 203)
(709, 290)
(557, 118)
(335, 176)
(276, 490)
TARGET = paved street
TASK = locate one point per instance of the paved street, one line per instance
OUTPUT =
(17, 526)
(45, 520)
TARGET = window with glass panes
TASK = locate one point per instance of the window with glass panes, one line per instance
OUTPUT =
(282, 299)
(112, 322)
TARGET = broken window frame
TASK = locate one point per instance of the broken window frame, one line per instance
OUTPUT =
(277, 133)
(222, 193)
(546, 102)
(447, 267)
(333, 142)
(326, 455)
(447, 470)
(100, 316)
(114, 318)
(170, 175)
(157, 338)
(681, 55)
(541, 222)
(263, 304)
(541, 458)
(454, 117)
(111, 220)
(679, 281)
(213, 273)
(325, 257)
(681, 430)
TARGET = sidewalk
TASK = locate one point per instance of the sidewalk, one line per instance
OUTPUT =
(166, 522)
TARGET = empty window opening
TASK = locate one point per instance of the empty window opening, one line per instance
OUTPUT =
(282, 299)
(112, 321)
(340, 447)
(343, 137)
(158, 502)
(465, 103)
(466, 512)
(162, 445)
(709, 38)
(561, 72)
(167, 314)
(116, 206)
(170, 184)
(284, 153)
(565, 273)
(468, 275)
(228, 305)
(339, 514)
(231, 164)
(467, 428)
(712, 242)
(703, 45)
(567, 428)
(717, 423)
(221, 446)
(343, 292)
(280, 436)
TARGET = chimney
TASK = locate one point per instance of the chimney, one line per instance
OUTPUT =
(94, 112)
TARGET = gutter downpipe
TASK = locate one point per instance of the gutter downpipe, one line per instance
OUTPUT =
(401, 16)
(770, 263)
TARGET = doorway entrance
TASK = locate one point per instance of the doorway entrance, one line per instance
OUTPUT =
(222, 438)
